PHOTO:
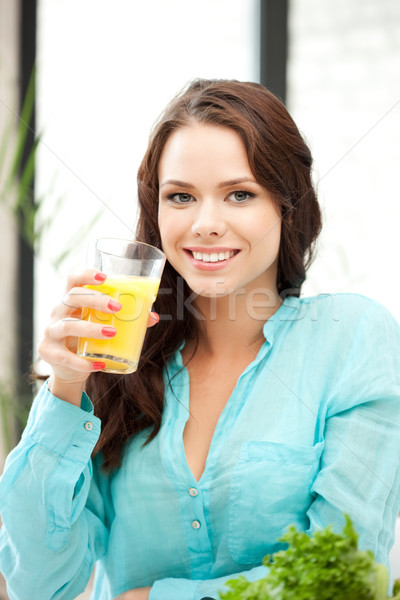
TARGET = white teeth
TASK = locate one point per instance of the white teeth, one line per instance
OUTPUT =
(213, 256)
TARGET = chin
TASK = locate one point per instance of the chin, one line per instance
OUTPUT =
(214, 294)
(207, 293)
(217, 290)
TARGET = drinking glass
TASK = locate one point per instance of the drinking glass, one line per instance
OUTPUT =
(133, 271)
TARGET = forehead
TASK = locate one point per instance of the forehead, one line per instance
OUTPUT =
(207, 145)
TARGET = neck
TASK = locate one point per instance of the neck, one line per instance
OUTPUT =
(234, 323)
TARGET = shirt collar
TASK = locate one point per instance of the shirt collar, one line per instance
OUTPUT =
(288, 311)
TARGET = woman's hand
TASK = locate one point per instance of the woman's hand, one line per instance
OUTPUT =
(136, 594)
(59, 344)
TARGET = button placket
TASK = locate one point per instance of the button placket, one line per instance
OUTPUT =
(193, 492)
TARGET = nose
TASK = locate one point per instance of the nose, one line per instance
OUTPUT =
(208, 220)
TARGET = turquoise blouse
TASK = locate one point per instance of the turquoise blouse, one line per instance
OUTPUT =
(312, 430)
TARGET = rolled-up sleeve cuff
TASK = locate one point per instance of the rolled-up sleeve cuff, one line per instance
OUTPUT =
(188, 589)
(62, 427)
(178, 589)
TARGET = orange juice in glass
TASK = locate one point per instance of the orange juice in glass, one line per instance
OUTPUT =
(133, 276)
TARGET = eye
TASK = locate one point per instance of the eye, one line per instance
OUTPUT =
(241, 196)
(180, 198)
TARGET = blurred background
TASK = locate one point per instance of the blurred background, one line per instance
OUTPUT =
(81, 83)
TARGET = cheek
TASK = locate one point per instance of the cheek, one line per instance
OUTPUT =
(273, 222)
(267, 239)
(170, 230)
(272, 234)
(264, 227)
(163, 226)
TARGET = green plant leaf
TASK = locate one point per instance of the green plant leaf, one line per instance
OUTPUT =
(322, 566)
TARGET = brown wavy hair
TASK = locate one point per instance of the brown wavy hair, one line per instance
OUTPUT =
(281, 162)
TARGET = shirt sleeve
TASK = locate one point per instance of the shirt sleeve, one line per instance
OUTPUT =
(188, 589)
(51, 508)
(360, 465)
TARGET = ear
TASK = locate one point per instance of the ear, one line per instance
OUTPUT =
(290, 216)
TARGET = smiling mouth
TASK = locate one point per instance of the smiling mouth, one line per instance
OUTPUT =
(212, 257)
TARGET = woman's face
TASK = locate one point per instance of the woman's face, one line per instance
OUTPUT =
(219, 228)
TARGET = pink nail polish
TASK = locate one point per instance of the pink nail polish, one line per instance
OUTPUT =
(114, 305)
(100, 276)
(109, 331)
(98, 366)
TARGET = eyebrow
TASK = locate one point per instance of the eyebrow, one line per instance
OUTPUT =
(223, 184)
(176, 182)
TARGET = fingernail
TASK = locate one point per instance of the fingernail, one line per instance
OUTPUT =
(155, 316)
(99, 276)
(114, 305)
(109, 331)
(98, 366)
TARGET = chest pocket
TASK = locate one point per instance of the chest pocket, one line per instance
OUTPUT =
(270, 489)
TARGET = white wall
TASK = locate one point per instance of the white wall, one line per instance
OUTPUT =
(344, 93)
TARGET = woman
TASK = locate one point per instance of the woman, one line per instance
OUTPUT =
(252, 408)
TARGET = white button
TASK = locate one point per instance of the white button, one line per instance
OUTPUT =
(88, 426)
(193, 491)
(195, 524)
